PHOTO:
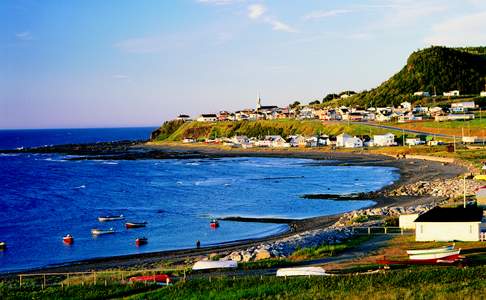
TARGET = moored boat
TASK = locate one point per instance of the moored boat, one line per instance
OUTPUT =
(68, 239)
(302, 271)
(214, 223)
(141, 241)
(211, 264)
(130, 225)
(96, 231)
(3, 245)
(110, 218)
(433, 250)
(438, 255)
(160, 278)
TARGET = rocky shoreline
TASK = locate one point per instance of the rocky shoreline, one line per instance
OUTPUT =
(442, 190)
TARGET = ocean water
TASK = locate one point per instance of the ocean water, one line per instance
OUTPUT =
(45, 196)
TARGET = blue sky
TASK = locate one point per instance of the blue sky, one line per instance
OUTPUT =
(90, 63)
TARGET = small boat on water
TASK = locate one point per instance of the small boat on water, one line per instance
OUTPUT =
(160, 279)
(110, 218)
(445, 255)
(433, 250)
(302, 271)
(214, 223)
(141, 241)
(96, 231)
(3, 245)
(212, 264)
(130, 225)
(68, 239)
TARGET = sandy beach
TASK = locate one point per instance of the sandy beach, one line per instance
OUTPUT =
(410, 171)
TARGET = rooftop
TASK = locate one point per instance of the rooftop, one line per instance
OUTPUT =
(452, 214)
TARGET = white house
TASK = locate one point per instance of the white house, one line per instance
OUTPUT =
(207, 118)
(341, 139)
(449, 224)
(407, 221)
(183, 118)
(307, 113)
(354, 142)
(482, 94)
(451, 93)
(384, 140)
(406, 105)
(422, 94)
(413, 141)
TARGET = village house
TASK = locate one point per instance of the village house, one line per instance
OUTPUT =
(453, 93)
(384, 140)
(207, 118)
(413, 141)
(461, 107)
(307, 113)
(184, 118)
(449, 224)
(347, 141)
(422, 94)
(454, 117)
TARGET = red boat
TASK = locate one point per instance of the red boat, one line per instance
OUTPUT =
(161, 278)
(444, 260)
(214, 223)
(68, 239)
(129, 225)
(141, 241)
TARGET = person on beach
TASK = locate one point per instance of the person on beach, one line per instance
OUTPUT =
(198, 244)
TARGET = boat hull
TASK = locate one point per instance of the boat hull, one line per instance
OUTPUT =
(161, 278)
(130, 225)
(432, 256)
(430, 251)
(208, 264)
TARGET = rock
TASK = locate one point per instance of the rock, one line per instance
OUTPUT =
(263, 254)
(246, 256)
(213, 256)
(236, 256)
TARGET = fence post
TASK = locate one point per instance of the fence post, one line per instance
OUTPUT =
(385, 230)
(369, 230)
(94, 277)
(401, 231)
(44, 280)
(68, 282)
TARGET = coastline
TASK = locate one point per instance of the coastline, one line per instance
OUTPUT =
(410, 171)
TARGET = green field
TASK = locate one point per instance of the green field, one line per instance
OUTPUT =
(420, 282)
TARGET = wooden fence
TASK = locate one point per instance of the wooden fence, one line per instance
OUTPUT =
(90, 278)
(374, 230)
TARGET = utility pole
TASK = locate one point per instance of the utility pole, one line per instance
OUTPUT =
(403, 137)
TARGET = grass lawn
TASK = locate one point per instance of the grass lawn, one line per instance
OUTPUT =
(476, 127)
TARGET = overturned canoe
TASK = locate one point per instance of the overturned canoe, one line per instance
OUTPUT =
(210, 264)
(429, 251)
(431, 256)
(302, 271)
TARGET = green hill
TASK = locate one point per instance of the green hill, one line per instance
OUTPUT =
(177, 131)
(439, 69)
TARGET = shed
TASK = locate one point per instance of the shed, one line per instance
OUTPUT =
(449, 224)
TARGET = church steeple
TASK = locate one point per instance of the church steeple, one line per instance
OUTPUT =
(259, 101)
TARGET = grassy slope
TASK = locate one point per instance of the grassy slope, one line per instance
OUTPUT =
(423, 282)
(284, 127)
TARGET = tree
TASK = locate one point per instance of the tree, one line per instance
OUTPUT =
(330, 97)
(295, 104)
(315, 102)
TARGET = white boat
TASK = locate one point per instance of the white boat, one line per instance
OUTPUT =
(110, 218)
(433, 250)
(212, 264)
(301, 271)
(96, 231)
(437, 255)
